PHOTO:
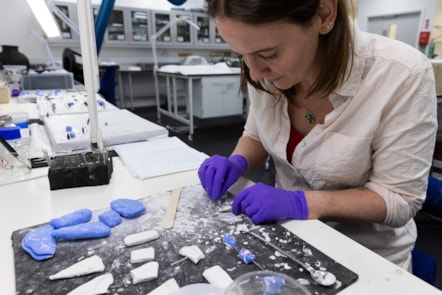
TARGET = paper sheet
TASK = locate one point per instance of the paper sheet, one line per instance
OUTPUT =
(159, 157)
(117, 127)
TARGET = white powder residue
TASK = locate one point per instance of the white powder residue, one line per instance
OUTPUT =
(210, 249)
(165, 245)
(267, 237)
(241, 228)
(303, 281)
(318, 264)
(307, 251)
(279, 254)
(120, 247)
(204, 221)
(91, 250)
(284, 265)
(284, 241)
(272, 257)
(337, 285)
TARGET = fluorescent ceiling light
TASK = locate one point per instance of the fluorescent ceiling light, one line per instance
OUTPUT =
(44, 17)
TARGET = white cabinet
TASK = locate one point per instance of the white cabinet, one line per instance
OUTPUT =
(117, 30)
(139, 26)
(217, 96)
(68, 36)
(179, 33)
(129, 27)
(207, 36)
(205, 96)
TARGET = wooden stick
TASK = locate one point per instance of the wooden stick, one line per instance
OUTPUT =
(169, 219)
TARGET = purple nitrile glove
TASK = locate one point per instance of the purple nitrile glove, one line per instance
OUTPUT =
(263, 203)
(218, 173)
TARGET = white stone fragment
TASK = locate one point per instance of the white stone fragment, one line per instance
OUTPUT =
(86, 266)
(146, 272)
(141, 237)
(142, 255)
(166, 288)
(192, 252)
(242, 228)
(217, 276)
(98, 285)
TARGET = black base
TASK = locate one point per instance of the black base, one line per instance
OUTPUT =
(77, 170)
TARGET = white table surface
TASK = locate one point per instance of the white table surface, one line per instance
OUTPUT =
(15, 107)
(30, 202)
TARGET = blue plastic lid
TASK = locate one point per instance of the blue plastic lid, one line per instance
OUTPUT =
(10, 133)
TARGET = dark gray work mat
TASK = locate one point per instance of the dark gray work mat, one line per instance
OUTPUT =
(199, 221)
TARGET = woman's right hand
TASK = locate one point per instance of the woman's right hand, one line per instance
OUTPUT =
(218, 173)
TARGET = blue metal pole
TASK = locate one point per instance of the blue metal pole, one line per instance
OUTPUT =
(102, 21)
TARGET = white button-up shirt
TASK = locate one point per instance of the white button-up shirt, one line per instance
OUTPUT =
(380, 135)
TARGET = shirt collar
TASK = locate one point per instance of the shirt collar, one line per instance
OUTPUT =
(355, 66)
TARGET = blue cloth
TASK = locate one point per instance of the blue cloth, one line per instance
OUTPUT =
(424, 266)
(128, 208)
(433, 202)
(40, 243)
(110, 218)
(90, 230)
(76, 217)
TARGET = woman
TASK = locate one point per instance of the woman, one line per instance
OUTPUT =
(349, 119)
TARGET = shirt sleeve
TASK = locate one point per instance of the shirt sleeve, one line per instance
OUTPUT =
(403, 145)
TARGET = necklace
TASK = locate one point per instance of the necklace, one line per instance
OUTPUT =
(309, 114)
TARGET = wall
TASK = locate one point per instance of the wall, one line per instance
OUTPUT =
(373, 8)
(437, 32)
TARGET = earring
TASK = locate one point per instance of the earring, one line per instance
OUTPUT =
(329, 25)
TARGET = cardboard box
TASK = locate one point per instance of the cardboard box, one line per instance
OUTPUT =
(5, 94)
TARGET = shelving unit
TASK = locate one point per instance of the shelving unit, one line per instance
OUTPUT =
(68, 37)
(131, 28)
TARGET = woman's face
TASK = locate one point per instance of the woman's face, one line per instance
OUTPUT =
(282, 53)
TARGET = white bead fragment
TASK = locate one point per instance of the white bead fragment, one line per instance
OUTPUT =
(166, 288)
(141, 237)
(146, 272)
(217, 276)
(86, 266)
(142, 255)
(98, 285)
(192, 252)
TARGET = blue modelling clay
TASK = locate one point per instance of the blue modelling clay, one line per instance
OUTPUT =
(76, 217)
(246, 256)
(272, 285)
(90, 230)
(110, 218)
(40, 243)
(128, 208)
(229, 240)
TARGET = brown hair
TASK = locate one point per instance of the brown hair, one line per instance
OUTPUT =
(335, 48)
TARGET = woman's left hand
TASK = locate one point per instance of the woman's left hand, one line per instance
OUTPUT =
(263, 203)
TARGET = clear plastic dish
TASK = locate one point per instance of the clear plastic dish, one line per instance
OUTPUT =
(266, 283)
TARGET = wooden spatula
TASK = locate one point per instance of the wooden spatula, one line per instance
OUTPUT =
(169, 219)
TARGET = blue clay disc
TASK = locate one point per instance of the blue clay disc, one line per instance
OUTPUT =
(128, 208)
